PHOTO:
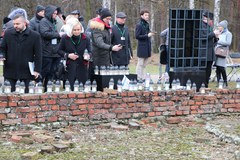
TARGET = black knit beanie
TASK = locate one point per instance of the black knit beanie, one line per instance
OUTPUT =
(39, 8)
(105, 13)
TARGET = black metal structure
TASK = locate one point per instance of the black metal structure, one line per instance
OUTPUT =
(187, 46)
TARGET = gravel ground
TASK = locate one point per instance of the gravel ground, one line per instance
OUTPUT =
(188, 141)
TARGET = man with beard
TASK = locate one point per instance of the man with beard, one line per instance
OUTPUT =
(21, 45)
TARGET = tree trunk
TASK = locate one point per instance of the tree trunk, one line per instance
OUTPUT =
(216, 11)
(191, 4)
(152, 24)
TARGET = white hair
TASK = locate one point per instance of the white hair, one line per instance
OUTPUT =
(70, 23)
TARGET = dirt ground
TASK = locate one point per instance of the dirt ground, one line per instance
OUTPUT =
(158, 141)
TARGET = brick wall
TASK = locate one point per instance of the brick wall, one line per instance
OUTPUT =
(17, 109)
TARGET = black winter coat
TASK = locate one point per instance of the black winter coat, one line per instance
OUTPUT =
(144, 42)
(34, 24)
(121, 57)
(19, 49)
(101, 43)
(49, 33)
(77, 69)
(208, 41)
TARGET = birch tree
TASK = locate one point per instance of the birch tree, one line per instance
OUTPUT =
(191, 4)
(216, 11)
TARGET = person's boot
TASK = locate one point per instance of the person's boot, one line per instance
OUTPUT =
(225, 84)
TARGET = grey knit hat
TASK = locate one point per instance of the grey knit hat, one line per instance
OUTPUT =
(223, 24)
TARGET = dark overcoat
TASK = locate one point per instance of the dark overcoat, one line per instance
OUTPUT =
(208, 41)
(77, 69)
(49, 33)
(122, 56)
(19, 49)
(101, 43)
(144, 42)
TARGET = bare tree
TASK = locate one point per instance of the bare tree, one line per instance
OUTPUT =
(191, 4)
(216, 11)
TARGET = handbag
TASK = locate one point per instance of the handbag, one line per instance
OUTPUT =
(221, 52)
(61, 70)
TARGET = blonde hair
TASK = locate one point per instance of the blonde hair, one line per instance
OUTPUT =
(70, 23)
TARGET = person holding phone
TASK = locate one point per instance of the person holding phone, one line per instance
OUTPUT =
(120, 35)
(143, 35)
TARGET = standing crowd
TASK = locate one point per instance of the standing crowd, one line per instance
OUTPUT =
(50, 37)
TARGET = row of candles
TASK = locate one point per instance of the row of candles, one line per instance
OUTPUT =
(88, 87)
(111, 70)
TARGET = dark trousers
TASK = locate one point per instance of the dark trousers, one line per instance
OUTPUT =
(220, 71)
(49, 67)
(13, 84)
(208, 72)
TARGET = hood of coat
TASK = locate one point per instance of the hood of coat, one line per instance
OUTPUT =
(97, 23)
(49, 10)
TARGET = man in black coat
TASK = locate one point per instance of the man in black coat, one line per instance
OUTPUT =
(207, 32)
(120, 35)
(21, 45)
(50, 44)
(143, 35)
(35, 21)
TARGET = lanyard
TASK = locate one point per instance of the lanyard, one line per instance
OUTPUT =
(77, 42)
(121, 32)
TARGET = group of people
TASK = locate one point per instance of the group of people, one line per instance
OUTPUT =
(213, 39)
(50, 36)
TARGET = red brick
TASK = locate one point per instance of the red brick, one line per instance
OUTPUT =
(43, 119)
(163, 104)
(73, 107)
(3, 97)
(40, 114)
(186, 112)
(201, 111)
(13, 97)
(161, 109)
(146, 109)
(12, 104)
(55, 108)
(29, 120)
(174, 120)
(79, 112)
(90, 106)
(98, 100)
(29, 97)
(229, 105)
(109, 116)
(90, 111)
(11, 115)
(88, 95)
(42, 102)
(191, 102)
(11, 121)
(193, 112)
(107, 106)
(194, 107)
(124, 115)
(81, 95)
(114, 100)
(31, 115)
(62, 108)
(83, 106)
(52, 119)
(81, 101)
(179, 113)
(16, 139)
(45, 108)
(198, 97)
(158, 113)
(51, 102)
(71, 95)
(151, 114)
(2, 116)
(223, 101)
(62, 96)
(130, 94)
(154, 125)
(199, 103)
(44, 96)
(33, 103)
